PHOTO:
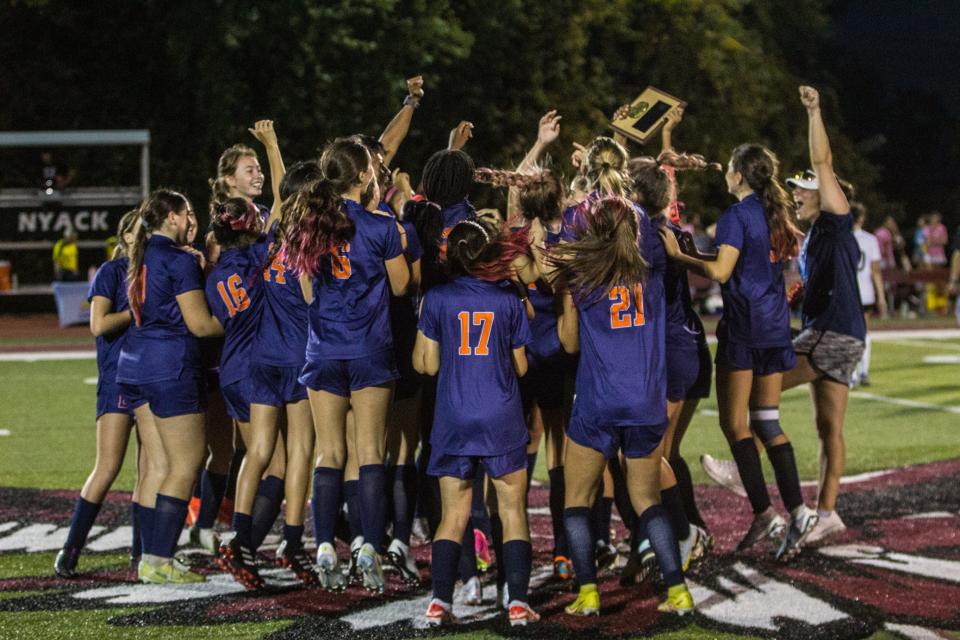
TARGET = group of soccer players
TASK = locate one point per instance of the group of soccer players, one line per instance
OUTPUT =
(360, 322)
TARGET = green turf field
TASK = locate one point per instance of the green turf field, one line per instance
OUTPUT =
(48, 409)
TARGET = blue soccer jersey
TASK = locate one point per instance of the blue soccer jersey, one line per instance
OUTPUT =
(349, 316)
(684, 330)
(755, 312)
(281, 338)
(477, 324)
(235, 295)
(162, 347)
(451, 216)
(828, 265)
(110, 282)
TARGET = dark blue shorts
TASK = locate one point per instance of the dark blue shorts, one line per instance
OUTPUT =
(465, 467)
(275, 386)
(545, 382)
(635, 442)
(236, 398)
(169, 398)
(762, 362)
(340, 377)
(110, 400)
(689, 372)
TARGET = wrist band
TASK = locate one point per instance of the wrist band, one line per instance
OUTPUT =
(411, 101)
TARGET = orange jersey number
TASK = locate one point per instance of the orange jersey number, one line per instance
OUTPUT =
(482, 319)
(277, 267)
(620, 309)
(340, 262)
(233, 295)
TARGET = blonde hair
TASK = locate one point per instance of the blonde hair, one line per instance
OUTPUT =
(606, 164)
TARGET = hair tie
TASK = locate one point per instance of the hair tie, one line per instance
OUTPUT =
(473, 223)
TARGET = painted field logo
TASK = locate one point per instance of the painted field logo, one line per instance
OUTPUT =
(896, 568)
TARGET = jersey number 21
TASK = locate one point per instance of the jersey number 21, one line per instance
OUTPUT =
(620, 309)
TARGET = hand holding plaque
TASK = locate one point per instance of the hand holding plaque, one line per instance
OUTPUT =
(646, 115)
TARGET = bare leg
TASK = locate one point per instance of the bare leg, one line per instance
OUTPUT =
(113, 434)
(831, 405)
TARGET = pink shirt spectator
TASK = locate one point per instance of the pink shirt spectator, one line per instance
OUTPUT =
(936, 237)
(888, 258)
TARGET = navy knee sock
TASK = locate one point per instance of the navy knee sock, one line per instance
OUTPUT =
(326, 502)
(136, 544)
(351, 495)
(751, 473)
(212, 488)
(147, 518)
(404, 491)
(580, 539)
(531, 465)
(518, 558)
(266, 508)
(479, 518)
(242, 525)
(670, 498)
(685, 486)
(167, 524)
(654, 524)
(467, 566)
(496, 530)
(293, 535)
(84, 514)
(443, 568)
(557, 496)
(373, 504)
(788, 480)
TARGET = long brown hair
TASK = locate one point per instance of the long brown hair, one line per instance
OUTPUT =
(125, 226)
(650, 181)
(606, 254)
(478, 249)
(227, 166)
(151, 215)
(312, 221)
(760, 170)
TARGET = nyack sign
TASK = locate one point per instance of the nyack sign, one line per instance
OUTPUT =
(25, 225)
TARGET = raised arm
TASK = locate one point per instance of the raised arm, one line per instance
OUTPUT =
(832, 199)
(673, 118)
(460, 134)
(547, 131)
(396, 131)
(264, 132)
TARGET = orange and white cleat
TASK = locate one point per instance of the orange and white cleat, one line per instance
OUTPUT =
(521, 614)
(440, 614)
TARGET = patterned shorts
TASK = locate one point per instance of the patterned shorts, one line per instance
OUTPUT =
(835, 355)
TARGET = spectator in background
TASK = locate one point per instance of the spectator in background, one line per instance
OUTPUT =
(935, 238)
(919, 256)
(66, 259)
(892, 245)
(870, 281)
(953, 286)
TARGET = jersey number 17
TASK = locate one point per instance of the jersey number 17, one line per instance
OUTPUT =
(482, 319)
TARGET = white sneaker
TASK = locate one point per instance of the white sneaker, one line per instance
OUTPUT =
(472, 592)
(826, 527)
(724, 473)
(693, 547)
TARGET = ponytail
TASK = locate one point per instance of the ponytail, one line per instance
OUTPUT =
(606, 254)
(427, 221)
(150, 217)
(760, 170)
(606, 161)
(476, 248)
(126, 225)
(312, 224)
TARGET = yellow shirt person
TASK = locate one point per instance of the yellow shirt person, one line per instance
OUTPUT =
(66, 259)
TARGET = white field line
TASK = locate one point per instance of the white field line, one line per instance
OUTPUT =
(903, 402)
(4, 432)
(46, 356)
(931, 344)
(894, 335)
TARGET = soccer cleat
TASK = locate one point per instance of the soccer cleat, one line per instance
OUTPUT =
(481, 549)
(724, 473)
(606, 555)
(421, 529)
(693, 547)
(678, 601)
(353, 571)
(371, 571)
(587, 602)
(641, 566)
(864, 380)
(65, 565)
(439, 614)
(520, 614)
(403, 562)
(168, 572)
(135, 562)
(562, 568)
(503, 596)
(472, 592)
(768, 524)
(827, 527)
(206, 539)
(328, 568)
(240, 562)
(295, 558)
(802, 522)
